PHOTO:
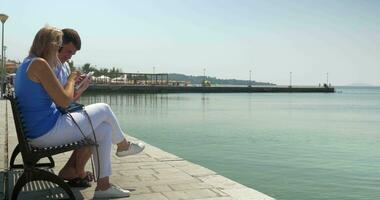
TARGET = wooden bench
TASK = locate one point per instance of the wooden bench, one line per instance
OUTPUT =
(31, 155)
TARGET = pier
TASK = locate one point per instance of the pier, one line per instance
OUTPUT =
(211, 89)
(151, 175)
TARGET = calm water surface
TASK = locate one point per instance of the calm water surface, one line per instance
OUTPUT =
(289, 146)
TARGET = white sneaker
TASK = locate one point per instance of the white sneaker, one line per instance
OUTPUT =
(111, 192)
(134, 148)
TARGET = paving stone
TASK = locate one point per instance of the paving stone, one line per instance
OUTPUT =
(191, 186)
(189, 194)
(151, 196)
(179, 163)
(196, 170)
(160, 182)
(219, 192)
(177, 175)
(157, 165)
(219, 181)
(130, 165)
(134, 178)
(137, 172)
(161, 155)
(133, 159)
(167, 170)
(139, 190)
(147, 177)
(161, 188)
(124, 167)
(246, 194)
(217, 198)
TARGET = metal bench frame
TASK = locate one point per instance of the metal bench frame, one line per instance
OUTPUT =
(31, 155)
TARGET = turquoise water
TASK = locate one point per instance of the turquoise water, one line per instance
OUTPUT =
(289, 146)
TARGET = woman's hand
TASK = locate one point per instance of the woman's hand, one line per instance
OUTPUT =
(86, 83)
(73, 77)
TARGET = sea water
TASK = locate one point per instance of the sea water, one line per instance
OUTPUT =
(286, 145)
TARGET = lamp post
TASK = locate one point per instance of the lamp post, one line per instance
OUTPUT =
(153, 76)
(3, 18)
(203, 83)
(250, 78)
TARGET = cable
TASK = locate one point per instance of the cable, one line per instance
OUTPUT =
(96, 142)
(84, 136)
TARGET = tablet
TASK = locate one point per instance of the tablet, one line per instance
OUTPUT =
(88, 76)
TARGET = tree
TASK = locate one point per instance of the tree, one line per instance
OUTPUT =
(71, 65)
(102, 71)
(86, 68)
(114, 72)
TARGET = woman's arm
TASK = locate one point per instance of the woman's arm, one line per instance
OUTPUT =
(39, 71)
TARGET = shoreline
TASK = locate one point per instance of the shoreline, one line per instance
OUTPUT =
(198, 89)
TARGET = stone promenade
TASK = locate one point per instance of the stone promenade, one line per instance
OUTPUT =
(151, 175)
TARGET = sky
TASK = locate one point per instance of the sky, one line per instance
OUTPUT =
(338, 39)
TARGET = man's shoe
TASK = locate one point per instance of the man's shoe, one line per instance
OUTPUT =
(134, 148)
(111, 192)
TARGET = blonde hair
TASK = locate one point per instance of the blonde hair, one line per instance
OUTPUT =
(44, 41)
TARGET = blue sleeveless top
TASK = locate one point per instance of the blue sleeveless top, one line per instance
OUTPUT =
(36, 106)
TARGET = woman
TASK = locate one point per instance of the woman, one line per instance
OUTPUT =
(39, 93)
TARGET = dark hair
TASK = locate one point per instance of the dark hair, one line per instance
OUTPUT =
(71, 36)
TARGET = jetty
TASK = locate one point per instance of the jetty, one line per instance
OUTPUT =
(151, 175)
(162, 83)
(120, 88)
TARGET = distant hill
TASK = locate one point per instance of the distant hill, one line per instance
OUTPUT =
(213, 80)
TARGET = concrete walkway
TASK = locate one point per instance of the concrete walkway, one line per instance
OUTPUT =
(153, 174)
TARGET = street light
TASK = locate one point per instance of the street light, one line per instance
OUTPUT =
(204, 77)
(3, 18)
(290, 81)
(153, 76)
(250, 80)
(204, 74)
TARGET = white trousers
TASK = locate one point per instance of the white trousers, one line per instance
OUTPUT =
(106, 127)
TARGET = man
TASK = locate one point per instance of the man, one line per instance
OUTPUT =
(70, 45)
(74, 171)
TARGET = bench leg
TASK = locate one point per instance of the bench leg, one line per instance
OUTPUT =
(36, 175)
(15, 153)
(52, 163)
(49, 165)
